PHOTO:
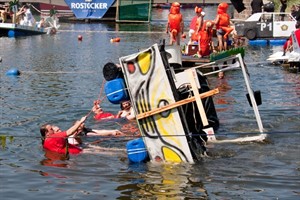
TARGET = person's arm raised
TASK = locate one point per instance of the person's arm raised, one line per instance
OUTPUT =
(73, 128)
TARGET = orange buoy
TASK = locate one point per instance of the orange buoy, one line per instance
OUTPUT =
(115, 39)
(79, 37)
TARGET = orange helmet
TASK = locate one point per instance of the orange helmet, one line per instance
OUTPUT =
(223, 6)
(176, 4)
(198, 10)
(175, 8)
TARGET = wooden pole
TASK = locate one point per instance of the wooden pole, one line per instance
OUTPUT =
(176, 104)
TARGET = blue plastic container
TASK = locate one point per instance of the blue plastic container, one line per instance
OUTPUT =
(277, 42)
(13, 72)
(115, 91)
(136, 150)
(258, 42)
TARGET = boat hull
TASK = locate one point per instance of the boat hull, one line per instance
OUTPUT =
(15, 30)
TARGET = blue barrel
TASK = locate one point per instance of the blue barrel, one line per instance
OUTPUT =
(258, 42)
(116, 91)
(277, 42)
(13, 72)
(136, 150)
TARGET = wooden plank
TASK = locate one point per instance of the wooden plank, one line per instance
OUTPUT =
(176, 104)
(192, 76)
(196, 60)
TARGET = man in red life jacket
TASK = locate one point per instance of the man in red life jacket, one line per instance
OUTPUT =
(222, 22)
(293, 45)
(205, 39)
(99, 113)
(57, 142)
(288, 45)
(175, 24)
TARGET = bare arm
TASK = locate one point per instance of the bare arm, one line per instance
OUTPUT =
(73, 128)
(105, 133)
(200, 24)
(217, 20)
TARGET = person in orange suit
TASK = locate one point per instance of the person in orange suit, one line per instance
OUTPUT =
(199, 23)
(175, 24)
(205, 39)
(196, 24)
(223, 27)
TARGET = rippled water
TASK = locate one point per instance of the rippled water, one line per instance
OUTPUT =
(62, 76)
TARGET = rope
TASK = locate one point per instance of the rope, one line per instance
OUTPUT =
(59, 72)
(183, 135)
(119, 32)
(67, 149)
(101, 90)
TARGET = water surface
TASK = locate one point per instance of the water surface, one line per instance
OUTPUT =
(61, 77)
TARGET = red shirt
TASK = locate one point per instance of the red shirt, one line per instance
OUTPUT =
(297, 34)
(106, 115)
(205, 39)
(57, 143)
(193, 23)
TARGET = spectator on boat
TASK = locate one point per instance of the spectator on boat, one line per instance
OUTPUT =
(175, 25)
(126, 111)
(41, 23)
(193, 23)
(223, 27)
(99, 113)
(53, 12)
(28, 17)
(205, 39)
(4, 13)
(295, 12)
(256, 6)
(198, 25)
(282, 8)
(58, 141)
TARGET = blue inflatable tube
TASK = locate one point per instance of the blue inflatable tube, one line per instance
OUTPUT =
(277, 42)
(258, 42)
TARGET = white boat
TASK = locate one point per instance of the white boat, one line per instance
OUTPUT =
(291, 58)
(16, 30)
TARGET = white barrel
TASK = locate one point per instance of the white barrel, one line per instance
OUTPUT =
(175, 51)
